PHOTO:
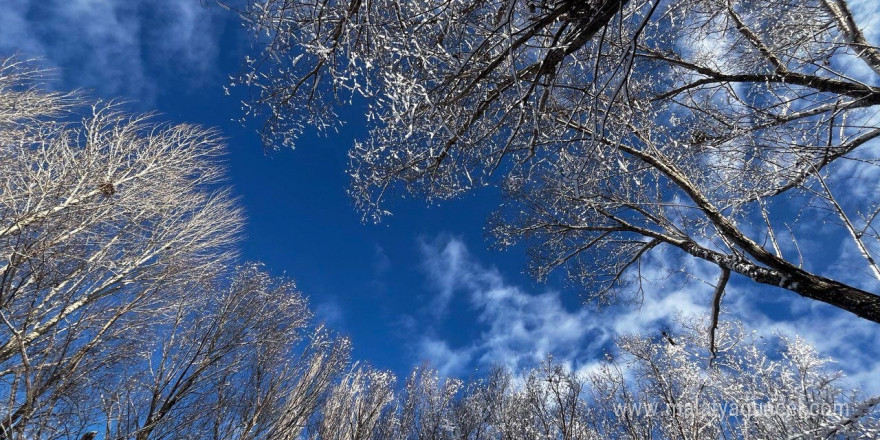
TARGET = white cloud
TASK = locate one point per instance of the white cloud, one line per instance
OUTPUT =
(447, 361)
(518, 328)
(381, 262)
(446, 268)
(330, 312)
(115, 47)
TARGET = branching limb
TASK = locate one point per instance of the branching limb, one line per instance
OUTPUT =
(847, 23)
(716, 310)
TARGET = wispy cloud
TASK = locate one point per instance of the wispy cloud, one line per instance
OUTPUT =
(448, 361)
(117, 48)
(519, 328)
(381, 262)
(330, 312)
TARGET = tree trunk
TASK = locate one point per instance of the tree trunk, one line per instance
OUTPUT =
(854, 300)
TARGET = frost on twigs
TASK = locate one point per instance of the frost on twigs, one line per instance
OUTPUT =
(120, 306)
(759, 387)
(102, 215)
(723, 130)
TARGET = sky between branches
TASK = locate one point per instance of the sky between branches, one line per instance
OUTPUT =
(422, 286)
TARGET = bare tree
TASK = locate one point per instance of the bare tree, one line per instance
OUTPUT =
(223, 365)
(355, 405)
(425, 409)
(99, 218)
(116, 307)
(726, 130)
(284, 370)
(320, 365)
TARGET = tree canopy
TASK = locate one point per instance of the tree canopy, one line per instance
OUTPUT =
(117, 308)
(727, 131)
(616, 129)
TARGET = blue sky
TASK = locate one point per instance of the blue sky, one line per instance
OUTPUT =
(421, 286)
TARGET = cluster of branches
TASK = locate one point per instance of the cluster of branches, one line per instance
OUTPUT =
(729, 131)
(117, 314)
(119, 321)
